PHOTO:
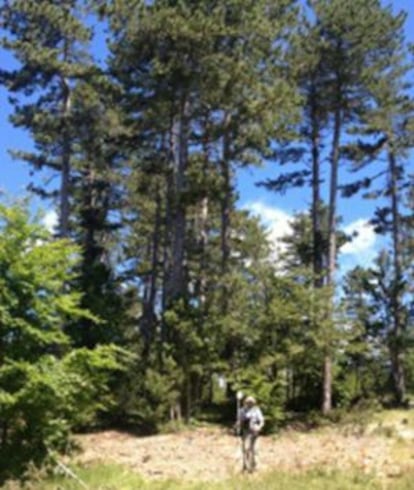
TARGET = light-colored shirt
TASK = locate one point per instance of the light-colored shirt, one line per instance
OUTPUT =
(251, 416)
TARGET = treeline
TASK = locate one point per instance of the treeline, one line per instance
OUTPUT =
(138, 144)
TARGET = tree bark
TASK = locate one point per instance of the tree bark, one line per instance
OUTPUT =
(397, 354)
(316, 196)
(203, 240)
(226, 195)
(148, 318)
(66, 164)
(175, 286)
(330, 279)
(203, 217)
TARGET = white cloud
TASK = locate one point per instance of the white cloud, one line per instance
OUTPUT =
(276, 222)
(363, 240)
(363, 247)
(361, 250)
(50, 220)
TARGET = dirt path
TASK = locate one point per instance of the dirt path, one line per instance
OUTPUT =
(213, 454)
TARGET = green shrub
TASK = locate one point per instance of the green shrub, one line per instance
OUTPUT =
(42, 402)
(46, 389)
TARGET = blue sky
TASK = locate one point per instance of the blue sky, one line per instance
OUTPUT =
(274, 210)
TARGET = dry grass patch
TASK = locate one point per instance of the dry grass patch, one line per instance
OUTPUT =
(214, 455)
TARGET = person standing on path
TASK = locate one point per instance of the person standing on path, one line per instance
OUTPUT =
(250, 422)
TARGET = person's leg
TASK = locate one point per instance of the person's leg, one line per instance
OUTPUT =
(248, 448)
(245, 446)
(252, 451)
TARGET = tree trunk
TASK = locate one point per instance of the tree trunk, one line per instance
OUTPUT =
(202, 230)
(169, 191)
(4, 434)
(175, 286)
(397, 354)
(66, 157)
(89, 254)
(188, 402)
(226, 200)
(203, 240)
(148, 318)
(95, 201)
(333, 189)
(316, 197)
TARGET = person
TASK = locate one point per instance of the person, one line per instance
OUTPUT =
(250, 422)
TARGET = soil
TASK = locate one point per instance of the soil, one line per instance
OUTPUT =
(214, 454)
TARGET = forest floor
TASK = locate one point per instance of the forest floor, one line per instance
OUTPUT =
(384, 449)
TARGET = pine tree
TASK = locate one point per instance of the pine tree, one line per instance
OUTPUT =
(389, 119)
(338, 58)
(97, 192)
(199, 85)
(49, 40)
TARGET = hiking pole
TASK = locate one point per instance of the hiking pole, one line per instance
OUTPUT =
(239, 397)
(72, 474)
(68, 471)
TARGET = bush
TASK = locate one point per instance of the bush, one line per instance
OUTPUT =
(42, 402)
(46, 389)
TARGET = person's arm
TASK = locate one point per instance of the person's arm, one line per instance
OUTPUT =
(240, 418)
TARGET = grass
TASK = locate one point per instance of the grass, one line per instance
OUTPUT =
(395, 417)
(114, 477)
(396, 424)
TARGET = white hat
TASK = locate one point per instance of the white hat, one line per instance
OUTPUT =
(250, 400)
